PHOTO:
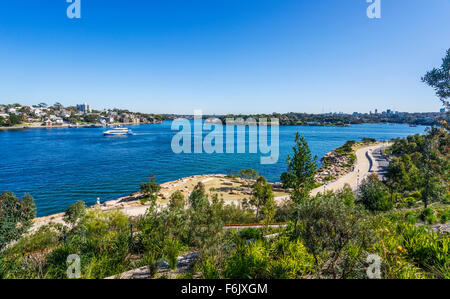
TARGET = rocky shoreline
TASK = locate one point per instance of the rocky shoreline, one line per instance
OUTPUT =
(337, 163)
(335, 166)
(131, 203)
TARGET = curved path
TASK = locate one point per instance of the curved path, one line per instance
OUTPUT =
(369, 160)
(365, 165)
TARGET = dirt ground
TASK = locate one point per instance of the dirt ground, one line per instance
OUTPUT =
(231, 190)
(228, 189)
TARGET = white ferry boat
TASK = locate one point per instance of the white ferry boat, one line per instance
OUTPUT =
(118, 132)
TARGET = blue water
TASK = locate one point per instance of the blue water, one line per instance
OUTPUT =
(61, 166)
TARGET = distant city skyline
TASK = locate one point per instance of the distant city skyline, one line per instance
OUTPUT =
(86, 107)
(239, 57)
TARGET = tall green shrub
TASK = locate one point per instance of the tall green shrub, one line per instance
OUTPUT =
(16, 216)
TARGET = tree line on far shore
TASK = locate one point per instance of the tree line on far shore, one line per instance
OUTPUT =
(330, 235)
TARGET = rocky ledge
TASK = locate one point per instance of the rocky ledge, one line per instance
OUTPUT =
(335, 165)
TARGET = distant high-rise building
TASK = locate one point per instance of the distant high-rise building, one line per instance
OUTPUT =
(85, 108)
(376, 111)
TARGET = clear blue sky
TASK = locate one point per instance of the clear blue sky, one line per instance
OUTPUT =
(223, 56)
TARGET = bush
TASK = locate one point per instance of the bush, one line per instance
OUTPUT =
(98, 223)
(446, 199)
(445, 216)
(330, 229)
(208, 267)
(347, 147)
(278, 259)
(248, 262)
(368, 140)
(411, 218)
(16, 216)
(374, 195)
(177, 200)
(413, 252)
(75, 212)
(429, 250)
(431, 219)
(150, 190)
(250, 234)
(234, 214)
(172, 248)
(390, 248)
(292, 259)
(426, 213)
(284, 212)
(417, 195)
(27, 257)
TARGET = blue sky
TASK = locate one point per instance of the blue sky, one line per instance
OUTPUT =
(223, 56)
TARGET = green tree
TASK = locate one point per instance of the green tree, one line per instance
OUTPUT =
(430, 182)
(14, 120)
(16, 216)
(262, 198)
(150, 189)
(346, 195)
(198, 198)
(300, 173)
(268, 211)
(335, 234)
(176, 201)
(75, 212)
(91, 118)
(374, 195)
(439, 79)
(57, 105)
(402, 175)
(205, 218)
(248, 175)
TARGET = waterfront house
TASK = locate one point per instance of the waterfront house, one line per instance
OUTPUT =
(57, 120)
(108, 119)
(38, 111)
(124, 118)
(65, 113)
(135, 120)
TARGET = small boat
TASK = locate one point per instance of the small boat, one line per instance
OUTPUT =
(118, 132)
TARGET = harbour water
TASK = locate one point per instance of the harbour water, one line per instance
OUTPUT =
(61, 166)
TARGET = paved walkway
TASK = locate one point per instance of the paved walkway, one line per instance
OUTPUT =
(365, 165)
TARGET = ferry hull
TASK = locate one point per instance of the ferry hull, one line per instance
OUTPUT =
(117, 134)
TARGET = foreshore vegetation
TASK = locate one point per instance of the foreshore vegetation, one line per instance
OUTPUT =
(326, 236)
(402, 217)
